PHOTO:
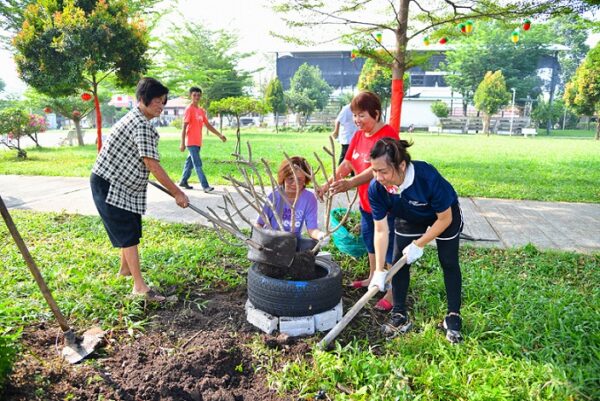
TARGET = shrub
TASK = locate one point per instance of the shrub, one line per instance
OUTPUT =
(14, 123)
(440, 109)
(8, 353)
(177, 123)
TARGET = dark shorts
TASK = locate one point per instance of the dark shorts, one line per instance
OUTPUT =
(405, 228)
(367, 230)
(124, 228)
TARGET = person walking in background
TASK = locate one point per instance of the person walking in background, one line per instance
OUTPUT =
(344, 130)
(425, 207)
(120, 177)
(194, 120)
(366, 109)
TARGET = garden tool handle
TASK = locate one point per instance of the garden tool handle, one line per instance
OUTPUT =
(33, 267)
(210, 218)
(337, 329)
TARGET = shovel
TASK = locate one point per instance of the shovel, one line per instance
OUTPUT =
(75, 348)
(337, 329)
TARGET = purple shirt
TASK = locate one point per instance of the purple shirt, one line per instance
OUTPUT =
(306, 212)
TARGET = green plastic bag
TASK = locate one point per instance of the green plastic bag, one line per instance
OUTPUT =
(344, 240)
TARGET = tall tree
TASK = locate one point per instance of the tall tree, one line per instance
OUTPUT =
(275, 99)
(195, 56)
(72, 46)
(491, 95)
(346, 20)
(582, 94)
(308, 91)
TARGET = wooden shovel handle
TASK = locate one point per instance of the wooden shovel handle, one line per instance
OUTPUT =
(337, 329)
(33, 267)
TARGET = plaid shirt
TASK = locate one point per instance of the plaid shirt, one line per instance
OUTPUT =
(120, 161)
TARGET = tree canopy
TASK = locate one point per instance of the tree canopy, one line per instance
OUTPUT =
(308, 91)
(491, 95)
(582, 93)
(193, 55)
(72, 46)
(275, 98)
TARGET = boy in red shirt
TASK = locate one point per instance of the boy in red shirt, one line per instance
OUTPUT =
(191, 137)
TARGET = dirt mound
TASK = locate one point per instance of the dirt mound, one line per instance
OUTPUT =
(186, 354)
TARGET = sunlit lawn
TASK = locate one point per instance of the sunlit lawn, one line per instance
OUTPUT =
(541, 168)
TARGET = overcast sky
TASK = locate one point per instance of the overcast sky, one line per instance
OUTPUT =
(251, 20)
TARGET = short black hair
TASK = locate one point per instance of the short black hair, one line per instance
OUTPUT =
(195, 89)
(148, 89)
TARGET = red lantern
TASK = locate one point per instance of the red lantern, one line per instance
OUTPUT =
(47, 110)
(86, 97)
(462, 27)
(76, 113)
(443, 40)
(119, 98)
(353, 54)
(526, 24)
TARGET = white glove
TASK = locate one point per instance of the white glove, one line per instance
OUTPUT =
(324, 240)
(378, 280)
(412, 252)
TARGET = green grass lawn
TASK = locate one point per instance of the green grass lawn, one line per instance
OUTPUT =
(541, 168)
(531, 318)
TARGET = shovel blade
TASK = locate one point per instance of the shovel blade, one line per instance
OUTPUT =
(75, 350)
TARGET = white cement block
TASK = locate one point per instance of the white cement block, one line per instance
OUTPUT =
(339, 310)
(262, 320)
(325, 256)
(326, 320)
(297, 326)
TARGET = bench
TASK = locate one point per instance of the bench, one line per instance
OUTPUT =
(434, 129)
(529, 131)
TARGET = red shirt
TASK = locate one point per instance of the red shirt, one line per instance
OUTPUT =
(195, 117)
(358, 155)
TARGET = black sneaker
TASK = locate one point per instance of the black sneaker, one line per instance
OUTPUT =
(398, 324)
(185, 185)
(209, 189)
(452, 324)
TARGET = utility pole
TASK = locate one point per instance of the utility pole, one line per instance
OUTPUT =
(512, 114)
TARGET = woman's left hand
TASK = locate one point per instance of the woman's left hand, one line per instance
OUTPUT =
(412, 252)
(339, 186)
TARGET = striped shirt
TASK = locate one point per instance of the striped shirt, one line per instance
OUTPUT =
(121, 163)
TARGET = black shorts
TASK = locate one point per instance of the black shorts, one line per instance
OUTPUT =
(407, 229)
(124, 228)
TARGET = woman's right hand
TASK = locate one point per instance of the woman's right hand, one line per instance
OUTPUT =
(321, 191)
(339, 186)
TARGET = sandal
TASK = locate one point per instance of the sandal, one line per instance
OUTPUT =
(384, 305)
(151, 296)
(452, 324)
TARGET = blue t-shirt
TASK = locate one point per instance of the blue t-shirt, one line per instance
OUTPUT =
(428, 194)
(306, 212)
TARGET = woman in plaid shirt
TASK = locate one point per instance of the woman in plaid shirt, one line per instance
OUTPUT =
(120, 177)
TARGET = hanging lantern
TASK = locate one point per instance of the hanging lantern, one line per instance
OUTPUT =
(76, 114)
(443, 40)
(463, 28)
(426, 41)
(526, 24)
(86, 97)
(378, 37)
(469, 27)
(515, 36)
(353, 54)
(47, 110)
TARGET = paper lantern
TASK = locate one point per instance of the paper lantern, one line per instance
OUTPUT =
(526, 24)
(47, 110)
(443, 40)
(76, 113)
(119, 98)
(426, 41)
(378, 37)
(353, 54)
(462, 28)
(515, 36)
(86, 97)
(469, 26)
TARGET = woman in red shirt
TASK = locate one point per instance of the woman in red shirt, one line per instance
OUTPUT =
(366, 108)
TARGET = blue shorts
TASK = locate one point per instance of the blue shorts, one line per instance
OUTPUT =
(367, 229)
(124, 228)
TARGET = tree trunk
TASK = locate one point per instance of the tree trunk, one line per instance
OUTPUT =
(486, 123)
(276, 122)
(598, 128)
(399, 65)
(238, 145)
(98, 116)
(77, 123)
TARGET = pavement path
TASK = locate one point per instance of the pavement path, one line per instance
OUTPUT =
(505, 223)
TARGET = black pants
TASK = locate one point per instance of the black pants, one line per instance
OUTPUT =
(447, 247)
(343, 153)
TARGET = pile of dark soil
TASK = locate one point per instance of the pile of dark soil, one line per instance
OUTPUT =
(185, 354)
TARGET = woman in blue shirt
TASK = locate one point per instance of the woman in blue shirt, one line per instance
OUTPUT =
(425, 207)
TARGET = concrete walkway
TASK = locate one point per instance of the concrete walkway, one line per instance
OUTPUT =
(506, 223)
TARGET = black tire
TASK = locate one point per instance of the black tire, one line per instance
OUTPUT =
(296, 298)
